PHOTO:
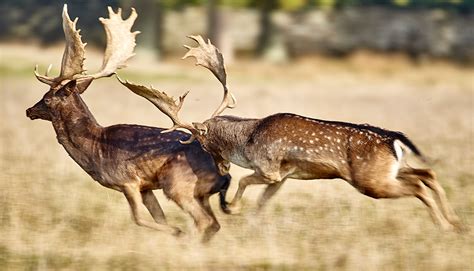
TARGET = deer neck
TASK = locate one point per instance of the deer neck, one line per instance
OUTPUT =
(78, 131)
(227, 136)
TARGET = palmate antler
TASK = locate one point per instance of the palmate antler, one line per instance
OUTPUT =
(208, 56)
(120, 45)
(164, 103)
(73, 57)
(120, 42)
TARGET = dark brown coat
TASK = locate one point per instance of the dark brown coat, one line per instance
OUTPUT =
(135, 160)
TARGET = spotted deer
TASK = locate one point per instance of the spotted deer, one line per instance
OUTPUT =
(131, 159)
(283, 146)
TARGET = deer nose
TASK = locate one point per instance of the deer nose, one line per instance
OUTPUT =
(29, 113)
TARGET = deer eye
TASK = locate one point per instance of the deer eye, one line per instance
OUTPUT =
(47, 101)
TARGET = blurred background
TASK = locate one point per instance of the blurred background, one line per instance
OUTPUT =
(275, 29)
(405, 65)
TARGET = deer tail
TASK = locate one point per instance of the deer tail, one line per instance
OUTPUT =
(405, 141)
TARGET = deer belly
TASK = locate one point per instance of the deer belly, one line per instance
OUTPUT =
(240, 160)
(310, 170)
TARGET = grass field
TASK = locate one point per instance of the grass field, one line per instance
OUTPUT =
(54, 216)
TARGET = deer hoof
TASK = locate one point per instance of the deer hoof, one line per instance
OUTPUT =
(234, 209)
(177, 232)
(459, 227)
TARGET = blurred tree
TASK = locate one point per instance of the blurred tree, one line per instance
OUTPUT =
(41, 19)
(216, 26)
(292, 5)
(463, 6)
(263, 41)
(214, 21)
(150, 22)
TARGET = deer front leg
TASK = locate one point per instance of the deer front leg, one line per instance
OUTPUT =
(236, 205)
(151, 203)
(268, 194)
(134, 198)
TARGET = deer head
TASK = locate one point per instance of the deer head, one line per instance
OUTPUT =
(73, 78)
(208, 56)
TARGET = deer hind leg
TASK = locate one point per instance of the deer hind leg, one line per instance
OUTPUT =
(433, 209)
(214, 227)
(405, 186)
(428, 177)
(383, 179)
(151, 203)
(134, 198)
(205, 222)
(236, 205)
(269, 192)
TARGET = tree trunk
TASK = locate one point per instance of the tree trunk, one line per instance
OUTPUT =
(216, 26)
(264, 37)
(150, 23)
(159, 26)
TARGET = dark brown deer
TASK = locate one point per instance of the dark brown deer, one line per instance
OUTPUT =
(131, 159)
(284, 146)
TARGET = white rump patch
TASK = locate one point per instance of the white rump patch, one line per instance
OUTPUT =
(394, 169)
(398, 150)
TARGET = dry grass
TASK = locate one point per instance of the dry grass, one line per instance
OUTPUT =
(53, 216)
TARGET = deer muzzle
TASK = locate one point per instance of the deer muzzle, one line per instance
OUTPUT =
(38, 111)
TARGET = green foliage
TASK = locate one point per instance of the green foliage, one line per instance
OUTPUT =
(292, 5)
(179, 4)
(239, 3)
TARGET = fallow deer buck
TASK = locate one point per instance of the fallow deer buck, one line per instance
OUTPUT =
(131, 159)
(284, 145)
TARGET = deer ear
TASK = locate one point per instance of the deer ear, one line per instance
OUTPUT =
(68, 88)
(83, 84)
(201, 127)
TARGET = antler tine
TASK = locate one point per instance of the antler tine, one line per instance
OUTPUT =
(73, 58)
(208, 56)
(44, 78)
(49, 69)
(120, 42)
(163, 102)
